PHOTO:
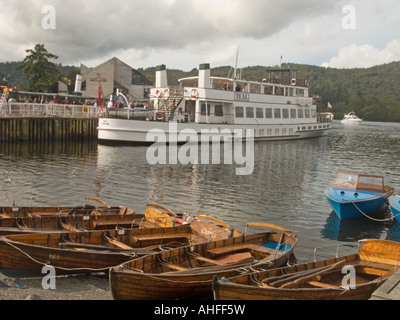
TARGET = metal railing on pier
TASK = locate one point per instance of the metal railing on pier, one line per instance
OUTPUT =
(12, 109)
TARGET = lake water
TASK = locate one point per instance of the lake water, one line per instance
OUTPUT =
(286, 187)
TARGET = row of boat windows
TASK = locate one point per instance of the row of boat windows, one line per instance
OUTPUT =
(286, 131)
(276, 113)
(260, 113)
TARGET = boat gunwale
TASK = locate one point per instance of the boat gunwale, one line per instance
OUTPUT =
(344, 201)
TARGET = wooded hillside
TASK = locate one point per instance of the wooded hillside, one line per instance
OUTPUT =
(373, 93)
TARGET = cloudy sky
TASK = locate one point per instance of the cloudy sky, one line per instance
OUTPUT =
(184, 33)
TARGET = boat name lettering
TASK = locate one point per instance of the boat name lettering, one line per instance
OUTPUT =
(242, 96)
(208, 232)
(54, 256)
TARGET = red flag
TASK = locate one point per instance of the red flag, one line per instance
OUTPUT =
(100, 94)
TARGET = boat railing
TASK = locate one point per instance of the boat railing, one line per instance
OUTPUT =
(12, 109)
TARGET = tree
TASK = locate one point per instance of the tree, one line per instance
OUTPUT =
(39, 70)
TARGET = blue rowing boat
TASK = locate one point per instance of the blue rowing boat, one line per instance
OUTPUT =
(394, 202)
(354, 195)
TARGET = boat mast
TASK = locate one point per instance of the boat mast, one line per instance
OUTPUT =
(235, 71)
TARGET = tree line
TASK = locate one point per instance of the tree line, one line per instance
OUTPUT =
(372, 93)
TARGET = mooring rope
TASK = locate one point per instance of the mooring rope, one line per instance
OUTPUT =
(371, 218)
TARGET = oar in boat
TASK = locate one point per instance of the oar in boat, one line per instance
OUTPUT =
(98, 200)
(313, 275)
(267, 225)
(162, 208)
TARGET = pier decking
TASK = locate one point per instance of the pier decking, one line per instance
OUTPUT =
(390, 290)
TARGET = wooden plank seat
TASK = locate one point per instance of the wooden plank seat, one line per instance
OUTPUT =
(211, 261)
(174, 266)
(177, 237)
(215, 252)
(119, 244)
(243, 247)
(322, 285)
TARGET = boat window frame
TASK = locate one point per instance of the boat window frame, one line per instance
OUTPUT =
(249, 112)
(238, 115)
(219, 110)
(259, 112)
(277, 113)
(269, 113)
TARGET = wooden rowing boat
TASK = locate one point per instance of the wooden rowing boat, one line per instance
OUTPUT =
(351, 277)
(39, 220)
(20, 212)
(57, 223)
(187, 272)
(85, 251)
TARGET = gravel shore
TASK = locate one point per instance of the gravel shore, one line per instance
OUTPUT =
(68, 287)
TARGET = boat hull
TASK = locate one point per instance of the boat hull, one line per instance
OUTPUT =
(394, 202)
(150, 277)
(349, 204)
(351, 277)
(238, 288)
(89, 251)
(137, 131)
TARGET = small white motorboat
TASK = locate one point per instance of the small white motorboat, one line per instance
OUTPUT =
(351, 118)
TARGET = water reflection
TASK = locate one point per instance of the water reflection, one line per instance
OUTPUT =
(356, 229)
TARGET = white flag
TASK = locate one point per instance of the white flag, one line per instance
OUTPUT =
(329, 105)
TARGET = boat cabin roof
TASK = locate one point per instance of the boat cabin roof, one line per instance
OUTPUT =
(356, 181)
(228, 83)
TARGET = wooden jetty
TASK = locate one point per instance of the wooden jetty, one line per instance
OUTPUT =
(41, 123)
(14, 129)
(390, 290)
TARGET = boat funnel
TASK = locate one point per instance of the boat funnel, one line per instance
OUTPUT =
(204, 76)
(78, 83)
(161, 76)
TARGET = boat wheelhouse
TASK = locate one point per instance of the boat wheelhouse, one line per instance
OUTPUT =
(275, 108)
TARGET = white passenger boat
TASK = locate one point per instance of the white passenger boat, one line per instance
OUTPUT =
(276, 108)
(351, 118)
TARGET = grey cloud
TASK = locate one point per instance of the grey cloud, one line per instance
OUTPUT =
(98, 27)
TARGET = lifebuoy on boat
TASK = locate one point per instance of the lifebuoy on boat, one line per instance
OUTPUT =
(306, 83)
(159, 93)
(194, 93)
(293, 82)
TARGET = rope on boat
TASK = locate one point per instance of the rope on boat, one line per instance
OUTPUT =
(378, 220)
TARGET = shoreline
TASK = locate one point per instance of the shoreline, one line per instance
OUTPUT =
(67, 287)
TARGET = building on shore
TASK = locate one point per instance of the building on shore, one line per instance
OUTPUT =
(112, 75)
